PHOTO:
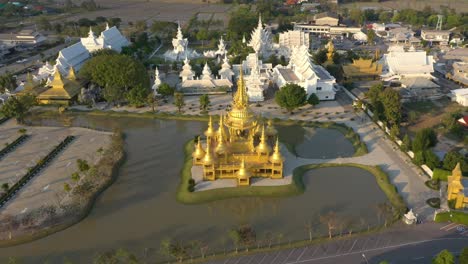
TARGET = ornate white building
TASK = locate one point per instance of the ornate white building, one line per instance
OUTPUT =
(220, 52)
(180, 49)
(257, 76)
(260, 39)
(290, 39)
(206, 83)
(157, 82)
(226, 72)
(301, 71)
(111, 38)
(398, 64)
(44, 72)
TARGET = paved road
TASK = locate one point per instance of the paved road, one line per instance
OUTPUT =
(401, 244)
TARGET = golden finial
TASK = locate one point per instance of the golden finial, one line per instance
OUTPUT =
(209, 133)
(240, 98)
(276, 157)
(199, 153)
(57, 82)
(331, 50)
(456, 172)
(221, 129)
(263, 147)
(208, 159)
(243, 173)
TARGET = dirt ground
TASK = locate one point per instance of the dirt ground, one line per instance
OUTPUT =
(458, 5)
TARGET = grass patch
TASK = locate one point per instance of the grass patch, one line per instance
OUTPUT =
(457, 217)
(441, 174)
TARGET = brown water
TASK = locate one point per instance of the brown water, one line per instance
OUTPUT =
(139, 209)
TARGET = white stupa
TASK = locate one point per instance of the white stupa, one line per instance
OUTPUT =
(157, 82)
(220, 52)
(226, 72)
(255, 87)
(260, 39)
(206, 73)
(180, 49)
(187, 73)
(44, 72)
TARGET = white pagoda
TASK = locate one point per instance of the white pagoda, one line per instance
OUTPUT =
(291, 39)
(44, 72)
(181, 49)
(257, 76)
(301, 71)
(206, 73)
(157, 82)
(187, 73)
(220, 52)
(260, 39)
(225, 72)
(110, 38)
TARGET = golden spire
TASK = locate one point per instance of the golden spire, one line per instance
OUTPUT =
(221, 130)
(331, 50)
(456, 172)
(221, 148)
(199, 153)
(243, 173)
(57, 82)
(209, 133)
(241, 99)
(208, 159)
(263, 147)
(276, 157)
(71, 74)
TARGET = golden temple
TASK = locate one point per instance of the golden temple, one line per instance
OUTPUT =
(240, 148)
(362, 69)
(62, 91)
(457, 190)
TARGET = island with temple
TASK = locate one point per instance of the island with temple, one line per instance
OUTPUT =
(241, 148)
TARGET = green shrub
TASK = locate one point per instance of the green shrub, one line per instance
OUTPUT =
(440, 174)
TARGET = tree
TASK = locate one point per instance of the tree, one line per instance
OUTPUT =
(371, 36)
(82, 165)
(116, 73)
(444, 257)
(313, 99)
(66, 187)
(151, 100)
(452, 158)
(7, 82)
(179, 101)
(331, 221)
(43, 23)
(463, 259)
(374, 93)
(174, 249)
(394, 132)
(119, 256)
(424, 139)
(18, 107)
(202, 35)
(204, 102)
(235, 237)
(5, 187)
(412, 117)
(165, 89)
(138, 96)
(241, 20)
(392, 106)
(320, 56)
(431, 159)
(75, 176)
(291, 96)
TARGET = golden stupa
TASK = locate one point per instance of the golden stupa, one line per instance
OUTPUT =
(234, 150)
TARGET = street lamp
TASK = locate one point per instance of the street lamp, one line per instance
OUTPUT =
(364, 256)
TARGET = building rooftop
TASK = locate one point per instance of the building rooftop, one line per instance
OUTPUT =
(417, 83)
(321, 73)
(288, 75)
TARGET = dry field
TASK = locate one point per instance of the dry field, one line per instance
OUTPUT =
(165, 10)
(458, 5)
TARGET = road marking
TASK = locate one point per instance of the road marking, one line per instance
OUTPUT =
(464, 232)
(262, 259)
(443, 228)
(275, 256)
(376, 249)
(351, 249)
(303, 251)
(315, 251)
(289, 255)
(452, 227)
(238, 260)
(251, 259)
(364, 246)
(418, 258)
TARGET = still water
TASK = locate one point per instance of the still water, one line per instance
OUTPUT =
(139, 209)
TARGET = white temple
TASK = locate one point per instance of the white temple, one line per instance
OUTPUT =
(77, 54)
(220, 52)
(398, 64)
(225, 72)
(180, 49)
(206, 83)
(157, 82)
(260, 39)
(257, 76)
(291, 39)
(301, 71)
(111, 38)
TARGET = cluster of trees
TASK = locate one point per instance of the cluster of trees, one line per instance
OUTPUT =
(79, 28)
(7, 83)
(446, 257)
(120, 76)
(18, 106)
(385, 104)
(292, 96)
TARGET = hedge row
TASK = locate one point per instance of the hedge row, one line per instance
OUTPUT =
(10, 147)
(33, 171)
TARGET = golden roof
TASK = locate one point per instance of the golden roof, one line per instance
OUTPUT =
(61, 89)
(243, 172)
(276, 157)
(241, 117)
(210, 132)
(199, 152)
(71, 74)
(362, 67)
(263, 146)
(456, 172)
(221, 147)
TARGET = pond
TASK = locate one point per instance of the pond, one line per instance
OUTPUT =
(140, 209)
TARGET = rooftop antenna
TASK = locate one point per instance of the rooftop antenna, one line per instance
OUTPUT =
(439, 22)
